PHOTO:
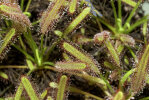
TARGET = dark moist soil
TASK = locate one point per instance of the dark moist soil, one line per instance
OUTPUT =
(42, 78)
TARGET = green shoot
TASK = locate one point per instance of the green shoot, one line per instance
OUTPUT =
(113, 53)
(6, 41)
(125, 77)
(77, 21)
(130, 2)
(29, 89)
(71, 66)
(19, 92)
(144, 31)
(62, 87)
(28, 4)
(73, 5)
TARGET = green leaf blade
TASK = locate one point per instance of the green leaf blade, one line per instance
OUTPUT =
(6, 41)
(81, 56)
(29, 89)
(140, 74)
(19, 92)
(50, 16)
(73, 5)
(77, 20)
(62, 87)
(13, 12)
(70, 66)
(113, 52)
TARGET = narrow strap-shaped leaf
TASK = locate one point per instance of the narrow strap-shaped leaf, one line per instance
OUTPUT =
(145, 28)
(62, 88)
(29, 89)
(50, 16)
(140, 74)
(113, 52)
(82, 56)
(72, 66)
(125, 77)
(13, 12)
(95, 80)
(19, 92)
(6, 41)
(130, 2)
(73, 5)
(77, 20)
(120, 48)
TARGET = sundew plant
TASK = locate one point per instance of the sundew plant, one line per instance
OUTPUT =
(74, 50)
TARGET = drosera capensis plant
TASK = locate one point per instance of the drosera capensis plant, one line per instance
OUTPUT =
(108, 66)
